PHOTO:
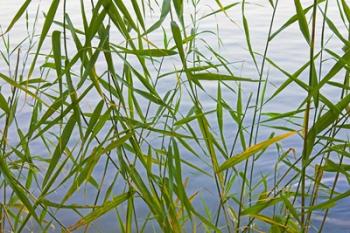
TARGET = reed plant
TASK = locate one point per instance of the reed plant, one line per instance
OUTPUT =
(122, 116)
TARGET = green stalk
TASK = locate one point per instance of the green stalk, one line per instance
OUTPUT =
(255, 115)
(306, 118)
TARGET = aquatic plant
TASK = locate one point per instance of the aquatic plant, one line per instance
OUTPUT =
(127, 116)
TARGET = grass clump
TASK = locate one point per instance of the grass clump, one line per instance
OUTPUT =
(127, 116)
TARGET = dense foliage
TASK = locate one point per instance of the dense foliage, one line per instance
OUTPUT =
(124, 116)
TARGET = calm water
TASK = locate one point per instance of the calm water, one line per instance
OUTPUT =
(288, 50)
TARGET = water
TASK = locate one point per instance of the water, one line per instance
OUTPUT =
(289, 50)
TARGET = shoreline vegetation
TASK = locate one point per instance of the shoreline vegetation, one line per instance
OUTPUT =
(130, 120)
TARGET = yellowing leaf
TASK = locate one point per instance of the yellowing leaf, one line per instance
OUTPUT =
(252, 150)
(98, 212)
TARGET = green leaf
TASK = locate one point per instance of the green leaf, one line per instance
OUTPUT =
(17, 16)
(138, 13)
(17, 187)
(56, 47)
(63, 140)
(164, 12)
(331, 202)
(98, 212)
(151, 52)
(324, 121)
(346, 10)
(272, 222)
(302, 20)
(222, 9)
(46, 27)
(24, 89)
(219, 77)
(252, 150)
(178, 5)
(178, 41)
(292, 20)
(92, 161)
(260, 206)
(3, 104)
